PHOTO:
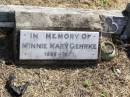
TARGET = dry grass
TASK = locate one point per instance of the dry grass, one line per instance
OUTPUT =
(68, 82)
(95, 4)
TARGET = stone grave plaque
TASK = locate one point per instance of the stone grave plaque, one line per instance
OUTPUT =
(58, 45)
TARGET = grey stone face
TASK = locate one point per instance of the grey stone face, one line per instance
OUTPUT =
(88, 21)
(58, 45)
(112, 24)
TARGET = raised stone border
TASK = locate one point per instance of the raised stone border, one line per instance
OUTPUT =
(33, 17)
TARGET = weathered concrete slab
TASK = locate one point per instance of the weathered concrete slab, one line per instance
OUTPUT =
(111, 21)
(43, 21)
(33, 17)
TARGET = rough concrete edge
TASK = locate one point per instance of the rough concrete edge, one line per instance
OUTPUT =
(56, 10)
(22, 8)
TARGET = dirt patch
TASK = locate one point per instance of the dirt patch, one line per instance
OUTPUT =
(111, 78)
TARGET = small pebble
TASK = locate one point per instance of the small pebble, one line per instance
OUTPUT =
(118, 71)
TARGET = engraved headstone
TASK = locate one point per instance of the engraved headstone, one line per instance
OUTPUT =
(58, 45)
